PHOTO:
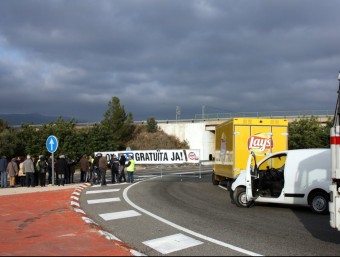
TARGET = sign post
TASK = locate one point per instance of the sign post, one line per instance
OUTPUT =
(52, 146)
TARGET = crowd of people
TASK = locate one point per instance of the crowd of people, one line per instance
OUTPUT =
(90, 167)
(37, 171)
(33, 171)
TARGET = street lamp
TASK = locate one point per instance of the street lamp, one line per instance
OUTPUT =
(178, 112)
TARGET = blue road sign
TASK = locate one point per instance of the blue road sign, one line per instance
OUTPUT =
(52, 144)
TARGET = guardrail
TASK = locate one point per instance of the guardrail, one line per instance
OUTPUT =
(271, 114)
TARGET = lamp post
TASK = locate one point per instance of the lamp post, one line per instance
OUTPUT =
(178, 112)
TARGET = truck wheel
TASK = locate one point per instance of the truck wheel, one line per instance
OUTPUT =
(240, 198)
(214, 180)
(318, 202)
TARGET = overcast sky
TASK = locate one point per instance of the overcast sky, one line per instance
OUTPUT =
(69, 58)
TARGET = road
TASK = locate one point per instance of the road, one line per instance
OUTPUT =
(179, 212)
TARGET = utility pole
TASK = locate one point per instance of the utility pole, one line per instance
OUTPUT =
(203, 112)
(178, 112)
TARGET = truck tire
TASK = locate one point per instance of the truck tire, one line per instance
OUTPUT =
(240, 198)
(318, 202)
(214, 180)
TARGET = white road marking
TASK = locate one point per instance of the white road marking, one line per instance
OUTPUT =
(102, 191)
(119, 215)
(188, 231)
(104, 200)
(172, 243)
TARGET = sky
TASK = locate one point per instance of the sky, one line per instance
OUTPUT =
(69, 58)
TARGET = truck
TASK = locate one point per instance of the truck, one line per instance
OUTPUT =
(292, 177)
(334, 204)
(237, 137)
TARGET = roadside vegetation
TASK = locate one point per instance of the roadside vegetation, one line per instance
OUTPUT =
(117, 132)
(308, 132)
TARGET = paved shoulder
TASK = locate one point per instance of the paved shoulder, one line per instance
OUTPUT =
(45, 224)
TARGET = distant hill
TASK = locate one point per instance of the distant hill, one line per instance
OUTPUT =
(35, 118)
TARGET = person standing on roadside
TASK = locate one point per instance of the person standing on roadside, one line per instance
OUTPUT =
(21, 175)
(122, 160)
(3, 167)
(90, 172)
(12, 171)
(114, 163)
(72, 168)
(84, 168)
(17, 179)
(28, 169)
(102, 165)
(130, 169)
(36, 170)
(42, 164)
(49, 170)
(61, 168)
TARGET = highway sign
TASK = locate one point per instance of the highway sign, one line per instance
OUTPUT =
(52, 144)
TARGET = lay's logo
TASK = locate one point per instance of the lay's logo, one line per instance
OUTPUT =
(260, 144)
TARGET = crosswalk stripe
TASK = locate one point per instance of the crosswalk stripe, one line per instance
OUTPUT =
(119, 215)
(102, 191)
(104, 200)
(172, 243)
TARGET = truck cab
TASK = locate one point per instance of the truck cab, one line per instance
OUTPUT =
(298, 177)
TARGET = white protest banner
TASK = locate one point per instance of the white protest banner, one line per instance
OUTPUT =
(178, 156)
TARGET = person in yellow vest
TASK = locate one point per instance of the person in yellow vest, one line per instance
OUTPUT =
(130, 169)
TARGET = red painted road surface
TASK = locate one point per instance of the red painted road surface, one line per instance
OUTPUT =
(45, 224)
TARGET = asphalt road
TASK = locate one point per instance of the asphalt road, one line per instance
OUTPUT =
(188, 208)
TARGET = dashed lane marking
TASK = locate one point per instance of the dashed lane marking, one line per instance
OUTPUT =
(104, 200)
(172, 243)
(102, 191)
(119, 215)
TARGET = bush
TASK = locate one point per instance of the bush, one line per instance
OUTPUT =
(144, 140)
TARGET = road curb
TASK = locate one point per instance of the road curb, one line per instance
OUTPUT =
(76, 208)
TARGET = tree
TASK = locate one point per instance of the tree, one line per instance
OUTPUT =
(151, 126)
(309, 133)
(28, 138)
(7, 139)
(118, 124)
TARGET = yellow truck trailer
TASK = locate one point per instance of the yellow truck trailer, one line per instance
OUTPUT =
(236, 138)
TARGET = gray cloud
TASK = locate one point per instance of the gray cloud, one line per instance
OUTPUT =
(71, 57)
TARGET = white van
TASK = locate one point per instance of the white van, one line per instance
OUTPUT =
(300, 177)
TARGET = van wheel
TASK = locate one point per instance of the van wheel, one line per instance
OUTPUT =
(240, 198)
(214, 180)
(318, 202)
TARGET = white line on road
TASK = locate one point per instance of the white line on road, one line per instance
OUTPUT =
(119, 215)
(172, 243)
(104, 200)
(102, 191)
(193, 233)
